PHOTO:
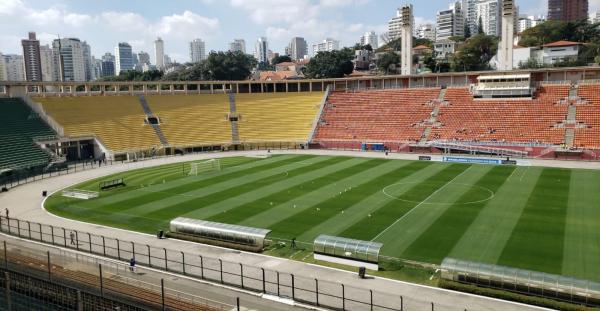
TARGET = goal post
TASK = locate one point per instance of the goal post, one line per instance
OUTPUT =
(212, 165)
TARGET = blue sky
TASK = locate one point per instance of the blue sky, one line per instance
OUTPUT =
(104, 23)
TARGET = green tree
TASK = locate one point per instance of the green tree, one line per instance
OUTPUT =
(387, 62)
(552, 31)
(280, 59)
(480, 26)
(334, 64)
(467, 31)
(475, 54)
(229, 66)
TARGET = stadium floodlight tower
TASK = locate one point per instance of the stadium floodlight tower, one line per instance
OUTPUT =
(508, 28)
(407, 39)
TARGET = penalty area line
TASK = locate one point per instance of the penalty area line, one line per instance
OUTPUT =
(417, 206)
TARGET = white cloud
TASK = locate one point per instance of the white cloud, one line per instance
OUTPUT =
(275, 11)
(10, 6)
(188, 25)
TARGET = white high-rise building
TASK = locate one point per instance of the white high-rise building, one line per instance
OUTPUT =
(261, 50)
(2, 68)
(197, 51)
(450, 22)
(68, 60)
(426, 31)
(595, 18)
(159, 53)
(469, 9)
(370, 38)
(15, 67)
(297, 49)
(46, 63)
(327, 45)
(526, 22)
(489, 13)
(123, 58)
(238, 45)
(87, 61)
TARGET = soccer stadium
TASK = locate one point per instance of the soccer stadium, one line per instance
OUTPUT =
(423, 173)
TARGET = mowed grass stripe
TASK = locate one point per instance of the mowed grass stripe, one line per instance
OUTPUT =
(189, 183)
(240, 213)
(441, 236)
(537, 242)
(299, 223)
(230, 202)
(360, 210)
(193, 204)
(385, 216)
(487, 236)
(581, 257)
(154, 197)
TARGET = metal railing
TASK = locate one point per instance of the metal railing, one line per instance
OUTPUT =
(284, 285)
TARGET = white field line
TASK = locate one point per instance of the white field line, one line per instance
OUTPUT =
(422, 202)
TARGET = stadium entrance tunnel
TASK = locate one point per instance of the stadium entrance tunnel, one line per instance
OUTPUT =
(408, 192)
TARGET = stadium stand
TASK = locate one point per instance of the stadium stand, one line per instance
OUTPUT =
(277, 117)
(466, 119)
(394, 115)
(19, 125)
(118, 121)
(589, 114)
(190, 120)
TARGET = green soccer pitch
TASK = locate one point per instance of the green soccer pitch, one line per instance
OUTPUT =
(541, 219)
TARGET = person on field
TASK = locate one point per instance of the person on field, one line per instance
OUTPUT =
(72, 235)
(293, 244)
(6, 210)
(132, 264)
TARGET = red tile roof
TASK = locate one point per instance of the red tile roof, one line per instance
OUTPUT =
(561, 43)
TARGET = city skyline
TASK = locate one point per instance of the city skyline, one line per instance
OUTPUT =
(103, 27)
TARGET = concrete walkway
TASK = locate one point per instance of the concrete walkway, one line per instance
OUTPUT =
(25, 202)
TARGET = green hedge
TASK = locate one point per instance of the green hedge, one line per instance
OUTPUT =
(506, 295)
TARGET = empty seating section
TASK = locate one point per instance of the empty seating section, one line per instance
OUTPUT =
(277, 116)
(18, 126)
(392, 115)
(590, 115)
(503, 120)
(188, 120)
(117, 120)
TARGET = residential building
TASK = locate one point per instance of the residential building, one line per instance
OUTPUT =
(261, 50)
(87, 61)
(31, 57)
(327, 45)
(46, 63)
(68, 60)
(469, 8)
(595, 19)
(451, 22)
(2, 68)
(97, 68)
(560, 51)
(143, 59)
(107, 57)
(568, 10)
(123, 58)
(197, 51)
(395, 26)
(15, 67)
(297, 49)
(363, 59)
(426, 31)
(369, 38)
(445, 47)
(159, 53)
(107, 68)
(526, 22)
(238, 45)
(489, 13)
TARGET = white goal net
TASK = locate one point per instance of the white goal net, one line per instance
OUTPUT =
(212, 165)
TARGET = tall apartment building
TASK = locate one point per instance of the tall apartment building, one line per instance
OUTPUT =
(2, 68)
(426, 31)
(159, 53)
(123, 58)
(108, 65)
(261, 50)
(46, 63)
(327, 45)
(370, 38)
(238, 45)
(68, 60)
(31, 57)
(489, 13)
(568, 10)
(87, 61)
(197, 51)
(450, 22)
(14, 67)
(469, 8)
(526, 22)
(297, 49)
